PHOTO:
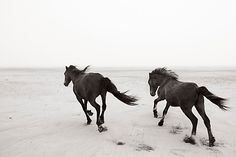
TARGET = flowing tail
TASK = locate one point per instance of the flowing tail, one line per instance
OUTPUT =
(213, 98)
(110, 87)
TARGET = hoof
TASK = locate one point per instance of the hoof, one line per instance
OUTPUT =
(161, 123)
(155, 114)
(190, 140)
(102, 129)
(211, 142)
(102, 121)
(89, 112)
(89, 122)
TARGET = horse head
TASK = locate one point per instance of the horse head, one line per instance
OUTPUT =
(152, 84)
(67, 74)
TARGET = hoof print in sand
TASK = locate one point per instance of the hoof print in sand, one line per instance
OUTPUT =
(179, 152)
(120, 143)
(144, 147)
(176, 129)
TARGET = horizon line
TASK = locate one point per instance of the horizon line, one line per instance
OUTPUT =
(125, 67)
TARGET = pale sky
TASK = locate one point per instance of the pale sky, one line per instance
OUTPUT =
(50, 33)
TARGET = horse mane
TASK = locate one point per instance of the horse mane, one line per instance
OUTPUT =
(165, 72)
(76, 70)
(86, 68)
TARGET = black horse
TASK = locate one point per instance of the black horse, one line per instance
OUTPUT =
(182, 94)
(88, 86)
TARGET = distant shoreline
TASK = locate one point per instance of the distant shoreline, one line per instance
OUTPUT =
(94, 68)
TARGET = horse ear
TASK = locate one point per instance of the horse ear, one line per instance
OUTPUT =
(66, 68)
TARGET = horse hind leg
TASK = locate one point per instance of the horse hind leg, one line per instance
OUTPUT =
(201, 110)
(188, 112)
(99, 123)
(104, 106)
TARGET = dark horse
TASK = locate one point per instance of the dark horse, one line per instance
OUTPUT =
(185, 95)
(88, 86)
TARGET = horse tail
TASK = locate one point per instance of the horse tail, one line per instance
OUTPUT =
(127, 99)
(213, 98)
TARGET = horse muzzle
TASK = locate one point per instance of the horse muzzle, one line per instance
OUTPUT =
(66, 84)
(152, 93)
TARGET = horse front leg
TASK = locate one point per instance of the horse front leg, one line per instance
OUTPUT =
(155, 107)
(164, 114)
(89, 112)
(84, 106)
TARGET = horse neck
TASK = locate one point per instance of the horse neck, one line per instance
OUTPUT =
(75, 77)
(165, 81)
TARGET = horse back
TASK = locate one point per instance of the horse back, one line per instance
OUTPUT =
(182, 93)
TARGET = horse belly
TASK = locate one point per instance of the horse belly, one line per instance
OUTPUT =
(182, 95)
(174, 105)
(89, 89)
(173, 101)
(187, 96)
